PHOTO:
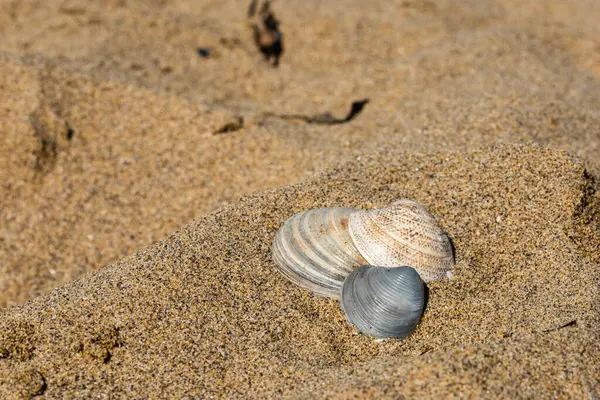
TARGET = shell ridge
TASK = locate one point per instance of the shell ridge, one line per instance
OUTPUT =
(313, 249)
(319, 259)
(337, 252)
(296, 275)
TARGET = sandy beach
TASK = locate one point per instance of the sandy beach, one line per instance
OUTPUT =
(142, 182)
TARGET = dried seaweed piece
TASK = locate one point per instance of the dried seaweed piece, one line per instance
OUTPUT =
(267, 36)
(568, 324)
(327, 118)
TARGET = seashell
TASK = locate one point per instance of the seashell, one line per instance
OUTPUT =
(317, 249)
(404, 233)
(314, 250)
(383, 302)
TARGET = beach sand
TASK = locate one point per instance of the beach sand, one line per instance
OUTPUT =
(141, 186)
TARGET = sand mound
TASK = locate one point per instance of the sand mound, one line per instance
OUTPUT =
(109, 112)
(204, 312)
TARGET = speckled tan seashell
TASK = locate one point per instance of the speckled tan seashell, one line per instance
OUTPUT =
(313, 249)
(404, 233)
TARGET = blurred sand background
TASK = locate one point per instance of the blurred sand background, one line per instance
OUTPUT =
(110, 140)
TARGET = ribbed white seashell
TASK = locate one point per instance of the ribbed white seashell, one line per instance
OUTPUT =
(314, 250)
(383, 302)
(404, 233)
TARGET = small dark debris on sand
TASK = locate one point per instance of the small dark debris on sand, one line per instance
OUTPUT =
(236, 124)
(267, 35)
(568, 324)
(204, 52)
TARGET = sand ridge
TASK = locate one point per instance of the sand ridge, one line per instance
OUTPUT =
(147, 157)
(210, 297)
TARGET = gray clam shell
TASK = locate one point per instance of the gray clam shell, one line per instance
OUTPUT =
(383, 302)
(314, 250)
